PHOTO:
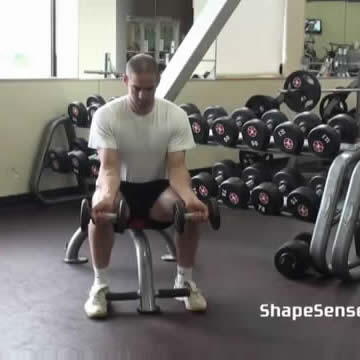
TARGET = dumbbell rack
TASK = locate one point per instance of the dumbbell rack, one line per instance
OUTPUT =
(42, 162)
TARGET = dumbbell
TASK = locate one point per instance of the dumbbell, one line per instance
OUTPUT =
(80, 163)
(304, 201)
(200, 124)
(190, 108)
(256, 133)
(94, 165)
(59, 160)
(81, 144)
(289, 136)
(78, 114)
(118, 219)
(235, 191)
(260, 104)
(95, 99)
(181, 215)
(293, 258)
(333, 104)
(324, 140)
(226, 129)
(205, 185)
(268, 197)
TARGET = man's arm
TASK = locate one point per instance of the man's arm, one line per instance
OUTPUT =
(179, 176)
(108, 180)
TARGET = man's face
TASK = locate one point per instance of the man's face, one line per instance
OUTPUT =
(141, 91)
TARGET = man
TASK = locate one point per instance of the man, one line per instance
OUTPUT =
(141, 141)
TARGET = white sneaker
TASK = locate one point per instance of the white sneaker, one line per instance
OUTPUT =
(196, 301)
(96, 305)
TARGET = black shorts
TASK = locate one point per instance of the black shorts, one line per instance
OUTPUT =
(141, 197)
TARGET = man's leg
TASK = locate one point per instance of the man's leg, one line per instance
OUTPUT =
(186, 248)
(101, 241)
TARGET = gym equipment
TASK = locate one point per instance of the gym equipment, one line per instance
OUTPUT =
(190, 109)
(205, 185)
(80, 163)
(324, 140)
(118, 219)
(84, 187)
(226, 129)
(340, 106)
(95, 99)
(293, 258)
(256, 133)
(181, 215)
(201, 124)
(59, 160)
(304, 201)
(78, 114)
(94, 165)
(82, 145)
(289, 136)
(301, 93)
(235, 191)
(268, 198)
(146, 292)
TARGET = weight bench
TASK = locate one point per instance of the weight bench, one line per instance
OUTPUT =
(146, 292)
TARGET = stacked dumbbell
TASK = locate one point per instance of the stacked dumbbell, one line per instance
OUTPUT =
(304, 201)
(289, 136)
(268, 198)
(235, 191)
(226, 129)
(206, 185)
(325, 139)
(82, 116)
(257, 133)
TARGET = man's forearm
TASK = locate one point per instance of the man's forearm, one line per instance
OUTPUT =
(180, 181)
(109, 183)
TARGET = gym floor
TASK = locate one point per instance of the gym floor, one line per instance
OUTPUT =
(42, 298)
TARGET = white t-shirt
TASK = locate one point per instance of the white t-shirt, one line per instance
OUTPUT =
(142, 141)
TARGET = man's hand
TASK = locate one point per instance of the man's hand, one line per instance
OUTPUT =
(103, 204)
(197, 207)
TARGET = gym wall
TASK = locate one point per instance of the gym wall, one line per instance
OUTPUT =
(28, 105)
(340, 22)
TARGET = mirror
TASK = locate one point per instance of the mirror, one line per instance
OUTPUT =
(332, 38)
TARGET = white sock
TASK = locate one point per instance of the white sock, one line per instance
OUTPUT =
(100, 276)
(183, 274)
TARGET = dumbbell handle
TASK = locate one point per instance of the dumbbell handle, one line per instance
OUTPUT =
(250, 183)
(283, 188)
(219, 179)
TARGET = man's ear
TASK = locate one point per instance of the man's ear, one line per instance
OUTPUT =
(126, 79)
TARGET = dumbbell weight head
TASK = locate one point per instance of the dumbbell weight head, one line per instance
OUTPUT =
(317, 183)
(204, 186)
(226, 129)
(91, 110)
(324, 140)
(59, 160)
(200, 128)
(306, 121)
(211, 113)
(234, 193)
(223, 170)
(78, 114)
(287, 180)
(95, 99)
(260, 104)
(256, 174)
(293, 258)
(190, 109)
(303, 203)
(338, 106)
(180, 215)
(94, 164)
(267, 199)
(257, 133)
(119, 219)
(80, 163)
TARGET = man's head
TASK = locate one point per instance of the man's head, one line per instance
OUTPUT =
(142, 77)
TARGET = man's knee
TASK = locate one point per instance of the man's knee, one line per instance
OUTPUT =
(162, 209)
